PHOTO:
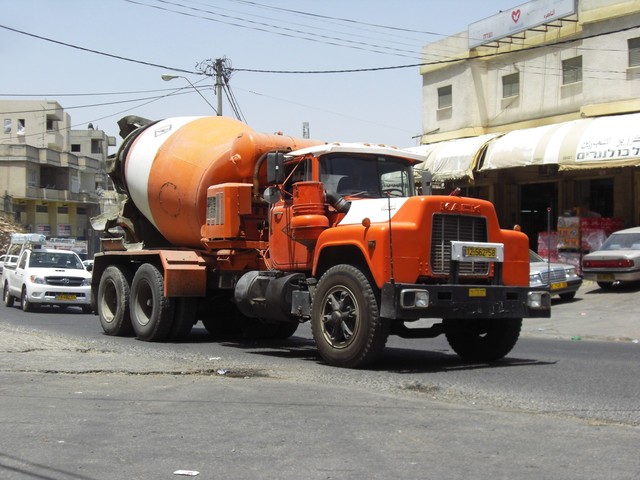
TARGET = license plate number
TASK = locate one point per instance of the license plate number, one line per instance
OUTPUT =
(477, 292)
(605, 277)
(487, 252)
(558, 286)
(65, 296)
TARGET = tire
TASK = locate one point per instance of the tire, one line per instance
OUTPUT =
(483, 340)
(345, 320)
(151, 312)
(568, 296)
(8, 298)
(226, 322)
(87, 310)
(113, 301)
(605, 285)
(25, 304)
(186, 309)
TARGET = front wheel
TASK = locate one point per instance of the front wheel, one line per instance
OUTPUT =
(345, 319)
(25, 304)
(483, 340)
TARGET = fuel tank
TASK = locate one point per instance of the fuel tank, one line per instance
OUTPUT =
(166, 167)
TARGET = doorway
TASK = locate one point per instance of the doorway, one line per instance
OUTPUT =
(538, 209)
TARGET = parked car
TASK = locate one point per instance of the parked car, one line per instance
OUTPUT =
(618, 260)
(561, 278)
(7, 259)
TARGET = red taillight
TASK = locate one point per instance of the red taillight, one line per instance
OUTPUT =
(612, 263)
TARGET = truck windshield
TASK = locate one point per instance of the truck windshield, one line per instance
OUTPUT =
(54, 260)
(370, 176)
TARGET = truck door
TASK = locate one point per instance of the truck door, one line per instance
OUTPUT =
(285, 252)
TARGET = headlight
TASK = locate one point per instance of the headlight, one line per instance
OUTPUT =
(36, 279)
(86, 282)
(571, 272)
(535, 280)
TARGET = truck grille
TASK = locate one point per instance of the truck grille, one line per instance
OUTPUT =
(446, 228)
(64, 281)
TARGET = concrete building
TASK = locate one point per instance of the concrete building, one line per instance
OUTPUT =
(536, 109)
(52, 177)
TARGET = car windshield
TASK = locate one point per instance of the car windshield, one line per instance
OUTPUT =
(622, 241)
(366, 177)
(534, 257)
(55, 260)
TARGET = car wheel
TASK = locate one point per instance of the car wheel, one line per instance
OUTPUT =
(605, 285)
(8, 298)
(25, 304)
(567, 296)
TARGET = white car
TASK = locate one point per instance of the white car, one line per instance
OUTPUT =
(47, 277)
(9, 259)
(618, 260)
(560, 278)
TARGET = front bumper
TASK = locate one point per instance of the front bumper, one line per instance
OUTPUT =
(49, 295)
(402, 301)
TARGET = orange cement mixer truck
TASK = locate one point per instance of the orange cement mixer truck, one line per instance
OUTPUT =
(253, 234)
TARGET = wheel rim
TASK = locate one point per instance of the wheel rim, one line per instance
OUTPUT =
(109, 302)
(340, 314)
(143, 303)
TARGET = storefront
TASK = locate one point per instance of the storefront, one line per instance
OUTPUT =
(588, 168)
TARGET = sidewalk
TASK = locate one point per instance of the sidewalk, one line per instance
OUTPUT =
(594, 314)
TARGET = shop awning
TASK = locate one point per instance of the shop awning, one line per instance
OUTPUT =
(601, 142)
(452, 159)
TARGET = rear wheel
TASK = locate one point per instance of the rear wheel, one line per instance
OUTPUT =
(151, 311)
(186, 309)
(345, 319)
(8, 298)
(605, 285)
(483, 340)
(113, 301)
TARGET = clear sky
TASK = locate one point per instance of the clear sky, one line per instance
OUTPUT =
(379, 105)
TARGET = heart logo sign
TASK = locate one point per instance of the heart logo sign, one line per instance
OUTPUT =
(515, 15)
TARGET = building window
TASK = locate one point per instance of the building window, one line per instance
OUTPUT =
(52, 124)
(96, 146)
(7, 125)
(634, 52)
(75, 147)
(42, 209)
(32, 178)
(572, 70)
(511, 85)
(22, 124)
(445, 97)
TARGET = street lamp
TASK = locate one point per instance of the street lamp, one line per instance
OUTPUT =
(168, 77)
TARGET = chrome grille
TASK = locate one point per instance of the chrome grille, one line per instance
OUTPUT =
(64, 281)
(446, 228)
(552, 276)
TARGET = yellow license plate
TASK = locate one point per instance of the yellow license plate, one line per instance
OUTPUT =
(65, 296)
(605, 277)
(558, 286)
(477, 292)
(487, 252)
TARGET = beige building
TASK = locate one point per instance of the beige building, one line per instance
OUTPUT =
(52, 177)
(536, 109)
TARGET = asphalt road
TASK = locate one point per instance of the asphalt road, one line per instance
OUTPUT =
(75, 404)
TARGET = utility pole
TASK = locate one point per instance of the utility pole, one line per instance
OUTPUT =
(219, 84)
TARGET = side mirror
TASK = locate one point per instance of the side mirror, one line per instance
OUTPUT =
(426, 182)
(272, 195)
(275, 168)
